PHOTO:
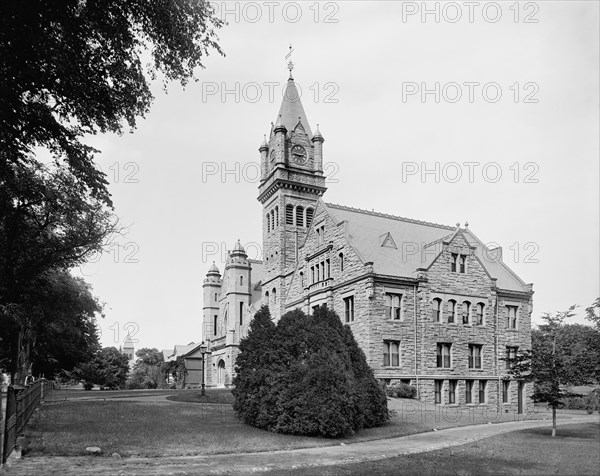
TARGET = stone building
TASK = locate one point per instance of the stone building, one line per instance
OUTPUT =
(429, 304)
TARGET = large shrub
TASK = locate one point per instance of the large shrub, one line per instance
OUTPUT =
(401, 390)
(306, 376)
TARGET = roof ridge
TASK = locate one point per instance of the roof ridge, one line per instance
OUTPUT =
(393, 217)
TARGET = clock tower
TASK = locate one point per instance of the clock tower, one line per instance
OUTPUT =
(291, 182)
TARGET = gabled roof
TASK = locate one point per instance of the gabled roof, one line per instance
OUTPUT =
(291, 109)
(418, 244)
(365, 230)
(167, 355)
(506, 277)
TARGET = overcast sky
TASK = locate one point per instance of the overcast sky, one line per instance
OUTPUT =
(484, 113)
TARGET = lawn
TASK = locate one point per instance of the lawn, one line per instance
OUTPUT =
(192, 425)
(574, 451)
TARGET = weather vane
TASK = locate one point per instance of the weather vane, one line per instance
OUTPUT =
(289, 56)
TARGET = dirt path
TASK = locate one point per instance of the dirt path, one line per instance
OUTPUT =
(256, 463)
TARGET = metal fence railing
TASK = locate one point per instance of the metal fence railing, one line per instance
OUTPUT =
(21, 402)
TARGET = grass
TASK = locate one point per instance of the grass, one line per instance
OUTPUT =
(218, 395)
(574, 451)
(204, 425)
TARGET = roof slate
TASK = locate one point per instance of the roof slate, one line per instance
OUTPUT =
(418, 244)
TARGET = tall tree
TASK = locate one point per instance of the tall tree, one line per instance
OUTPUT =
(547, 364)
(148, 371)
(68, 70)
(592, 313)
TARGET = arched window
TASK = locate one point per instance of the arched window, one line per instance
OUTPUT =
(225, 322)
(309, 216)
(268, 222)
(466, 309)
(274, 296)
(341, 261)
(437, 310)
(273, 220)
(216, 296)
(299, 216)
(289, 214)
(451, 311)
(276, 216)
(241, 280)
(301, 279)
(480, 307)
(241, 313)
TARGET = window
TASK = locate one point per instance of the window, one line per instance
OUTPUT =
(437, 310)
(267, 298)
(511, 353)
(241, 313)
(216, 296)
(475, 356)
(299, 216)
(391, 353)
(301, 279)
(321, 235)
(466, 309)
(341, 261)
(349, 308)
(438, 385)
(215, 325)
(479, 317)
(276, 216)
(443, 355)
(505, 391)
(309, 216)
(392, 306)
(312, 275)
(451, 391)
(463, 263)
(453, 262)
(451, 311)
(482, 386)
(289, 214)
(268, 222)
(274, 295)
(318, 272)
(241, 280)
(512, 317)
(468, 391)
(272, 220)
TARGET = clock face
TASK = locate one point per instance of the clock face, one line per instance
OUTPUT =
(299, 154)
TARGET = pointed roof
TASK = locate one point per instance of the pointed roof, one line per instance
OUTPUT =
(128, 342)
(291, 110)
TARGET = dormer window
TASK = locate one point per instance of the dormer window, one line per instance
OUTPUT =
(453, 262)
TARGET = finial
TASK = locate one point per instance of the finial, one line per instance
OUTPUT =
(457, 225)
(290, 64)
(466, 224)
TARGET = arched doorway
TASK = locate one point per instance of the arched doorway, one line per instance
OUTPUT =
(221, 373)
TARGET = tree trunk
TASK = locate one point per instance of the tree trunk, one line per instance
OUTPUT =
(553, 422)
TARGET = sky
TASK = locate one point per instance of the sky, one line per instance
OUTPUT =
(485, 112)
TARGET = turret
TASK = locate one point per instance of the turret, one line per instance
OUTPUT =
(210, 308)
(264, 158)
(317, 141)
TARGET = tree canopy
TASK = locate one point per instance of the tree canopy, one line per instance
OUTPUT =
(78, 67)
(68, 70)
(561, 355)
(306, 376)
